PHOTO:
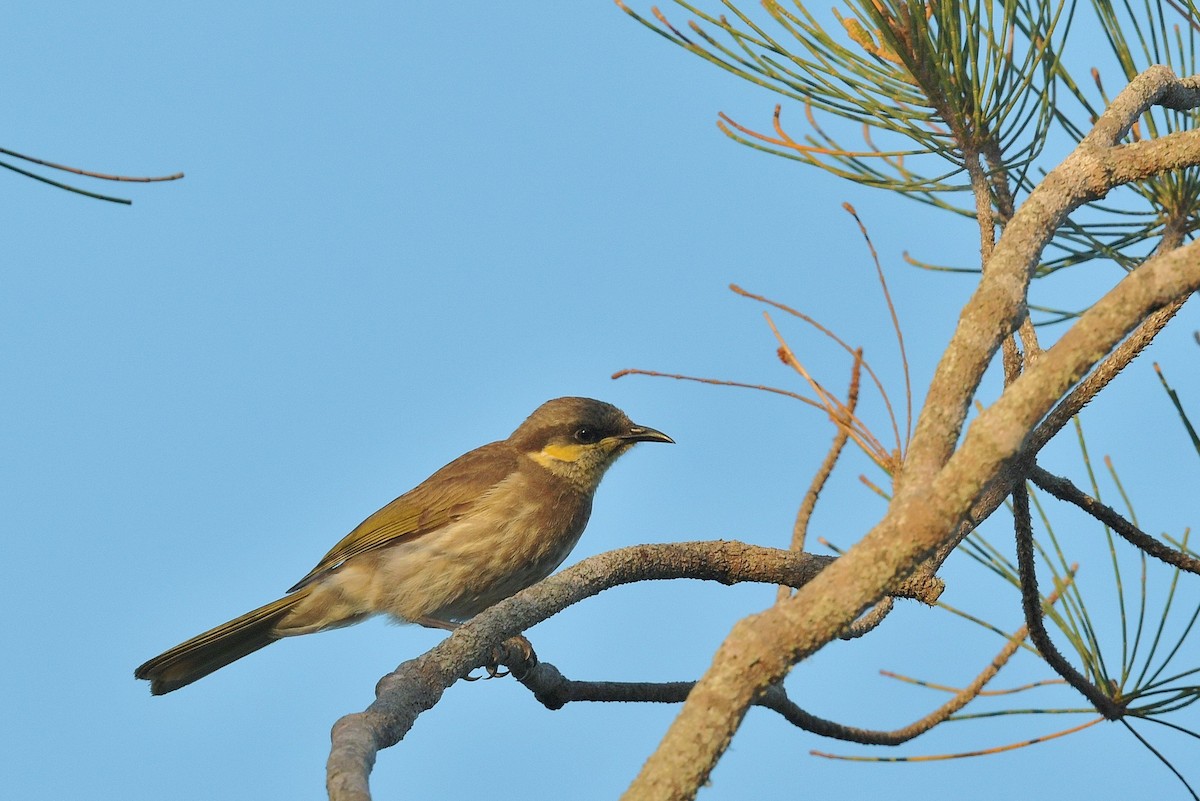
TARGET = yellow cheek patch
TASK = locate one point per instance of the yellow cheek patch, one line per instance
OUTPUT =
(559, 453)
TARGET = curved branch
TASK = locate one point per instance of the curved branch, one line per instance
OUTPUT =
(88, 173)
(418, 684)
(554, 691)
(1107, 706)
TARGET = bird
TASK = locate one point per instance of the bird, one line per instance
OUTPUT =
(490, 523)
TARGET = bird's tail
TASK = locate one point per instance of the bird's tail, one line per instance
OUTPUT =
(216, 648)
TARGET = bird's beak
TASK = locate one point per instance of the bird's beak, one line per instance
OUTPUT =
(645, 434)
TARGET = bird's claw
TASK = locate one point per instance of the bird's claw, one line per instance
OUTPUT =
(518, 648)
(494, 671)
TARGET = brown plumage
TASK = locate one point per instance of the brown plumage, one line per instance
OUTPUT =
(487, 525)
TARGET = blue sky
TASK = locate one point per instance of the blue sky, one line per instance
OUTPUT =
(402, 228)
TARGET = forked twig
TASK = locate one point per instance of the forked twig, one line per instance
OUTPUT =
(837, 411)
(866, 365)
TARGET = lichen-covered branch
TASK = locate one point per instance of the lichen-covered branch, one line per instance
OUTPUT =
(1094, 168)
(941, 480)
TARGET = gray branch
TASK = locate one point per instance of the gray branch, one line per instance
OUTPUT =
(418, 684)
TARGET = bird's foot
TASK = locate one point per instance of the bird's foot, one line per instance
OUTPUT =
(515, 653)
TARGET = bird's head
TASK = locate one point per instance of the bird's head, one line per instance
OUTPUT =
(579, 438)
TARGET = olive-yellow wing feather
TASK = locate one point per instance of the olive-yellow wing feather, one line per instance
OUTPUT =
(442, 498)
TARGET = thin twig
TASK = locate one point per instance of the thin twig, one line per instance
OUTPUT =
(88, 173)
(866, 365)
(777, 700)
(837, 411)
(964, 754)
(1160, 758)
(887, 296)
(1065, 490)
(809, 503)
(68, 187)
(720, 382)
(982, 693)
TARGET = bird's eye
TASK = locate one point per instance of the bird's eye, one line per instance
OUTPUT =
(587, 436)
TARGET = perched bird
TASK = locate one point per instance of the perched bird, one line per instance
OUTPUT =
(487, 525)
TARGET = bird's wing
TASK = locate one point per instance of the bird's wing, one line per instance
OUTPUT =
(442, 498)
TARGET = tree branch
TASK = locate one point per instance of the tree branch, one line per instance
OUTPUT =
(554, 691)
(1105, 372)
(940, 485)
(1031, 603)
(998, 304)
(418, 684)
